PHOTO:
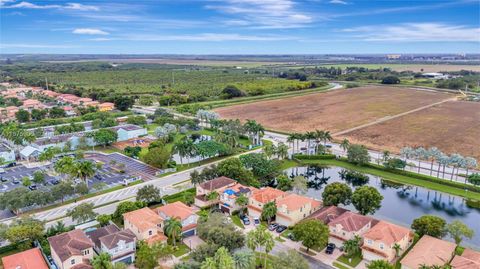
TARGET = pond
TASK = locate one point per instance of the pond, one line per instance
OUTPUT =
(401, 204)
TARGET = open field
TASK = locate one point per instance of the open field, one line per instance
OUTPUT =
(335, 110)
(413, 67)
(451, 126)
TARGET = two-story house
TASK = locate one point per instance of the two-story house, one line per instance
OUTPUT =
(205, 188)
(182, 212)
(327, 214)
(349, 224)
(429, 251)
(380, 241)
(120, 244)
(146, 225)
(293, 208)
(228, 197)
(262, 196)
(72, 250)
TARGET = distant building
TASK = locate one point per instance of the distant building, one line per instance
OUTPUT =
(393, 56)
(145, 224)
(28, 259)
(435, 76)
(183, 213)
(107, 106)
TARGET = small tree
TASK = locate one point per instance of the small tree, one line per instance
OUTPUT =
(269, 211)
(149, 194)
(366, 200)
(104, 219)
(26, 181)
(474, 179)
(260, 237)
(105, 137)
(173, 229)
(82, 212)
(337, 193)
(358, 154)
(430, 225)
(312, 233)
(352, 246)
(242, 201)
(102, 261)
(458, 230)
(390, 80)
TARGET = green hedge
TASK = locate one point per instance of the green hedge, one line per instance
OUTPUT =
(314, 157)
(446, 182)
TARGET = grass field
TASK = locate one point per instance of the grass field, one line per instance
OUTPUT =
(452, 127)
(335, 110)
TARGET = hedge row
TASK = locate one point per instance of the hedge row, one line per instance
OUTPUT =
(314, 157)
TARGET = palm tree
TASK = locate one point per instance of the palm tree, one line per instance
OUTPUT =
(242, 201)
(470, 163)
(184, 148)
(397, 249)
(244, 259)
(260, 237)
(326, 137)
(433, 154)
(83, 170)
(345, 144)
(269, 211)
(443, 160)
(309, 136)
(385, 155)
(291, 140)
(282, 151)
(456, 160)
(352, 246)
(254, 130)
(420, 154)
(269, 150)
(102, 261)
(173, 228)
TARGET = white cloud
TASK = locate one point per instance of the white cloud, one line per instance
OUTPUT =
(264, 13)
(89, 31)
(340, 2)
(204, 37)
(28, 5)
(423, 32)
(37, 46)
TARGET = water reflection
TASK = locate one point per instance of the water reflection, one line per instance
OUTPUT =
(401, 204)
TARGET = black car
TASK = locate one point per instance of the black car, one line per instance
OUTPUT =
(12, 164)
(15, 181)
(273, 226)
(55, 181)
(98, 177)
(32, 187)
(246, 221)
(3, 179)
(281, 228)
(291, 236)
(330, 248)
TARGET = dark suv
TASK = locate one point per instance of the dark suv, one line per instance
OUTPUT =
(330, 248)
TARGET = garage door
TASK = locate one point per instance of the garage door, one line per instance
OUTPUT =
(225, 209)
(189, 233)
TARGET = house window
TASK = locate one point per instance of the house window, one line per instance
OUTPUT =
(369, 242)
(150, 232)
(72, 261)
(343, 233)
(381, 246)
(86, 252)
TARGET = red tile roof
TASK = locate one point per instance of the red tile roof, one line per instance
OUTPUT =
(470, 259)
(387, 232)
(175, 210)
(217, 183)
(327, 214)
(267, 194)
(28, 259)
(70, 243)
(429, 251)
(352, 222)
(144, 218)
(294, 202)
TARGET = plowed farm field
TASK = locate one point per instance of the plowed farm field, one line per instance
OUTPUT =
(453, 127)
(335, 111)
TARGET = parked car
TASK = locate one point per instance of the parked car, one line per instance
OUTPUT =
(15, 181)
(256, 221)
(273, 226)
(32, 187)
(281, 228)
(330, 248)
(3, 179)
(98, 177)
(12, 164)
(55, 181)
(291, 236)
(246, 221)
(2, 171)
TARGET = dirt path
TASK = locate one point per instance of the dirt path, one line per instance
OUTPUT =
(393, 117)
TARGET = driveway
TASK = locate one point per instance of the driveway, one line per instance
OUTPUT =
(193, 241)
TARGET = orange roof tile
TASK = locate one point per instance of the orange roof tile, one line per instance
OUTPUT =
(294, 202)
(159, 237)
(387, 232)
(143, 218)
(470, 259)
(28, 259)
(175, 210)
(267, 194)
(352, 222)
(429, 251)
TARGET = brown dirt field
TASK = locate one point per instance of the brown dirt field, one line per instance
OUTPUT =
(453, 127)
(335, 110)
(141, 142)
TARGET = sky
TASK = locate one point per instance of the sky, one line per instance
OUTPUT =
(239, 26)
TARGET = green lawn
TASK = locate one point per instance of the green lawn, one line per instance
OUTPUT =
(182, 250)
(340, 266)
(237, 221)
(398, 178)
(356, 259)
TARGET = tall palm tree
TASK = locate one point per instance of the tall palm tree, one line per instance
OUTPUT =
(260, 237)
(173, 228)
(102, 261)
(269, 150)
(326, 137)
(397, 249)
(83, 170)
(244, 259)
(345, 144)
(184, 148)
(291, 141)
(433, 154)
(282, 151)
(254, 130)
(269, 211)
(309, 136)
(443, 160)
(470, 163)
(420, 154)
